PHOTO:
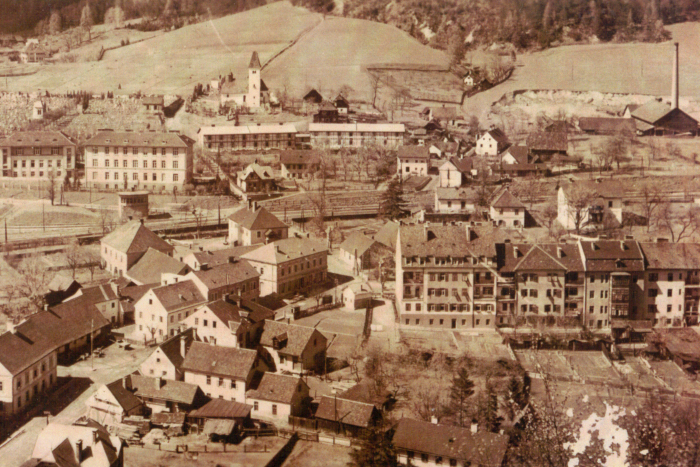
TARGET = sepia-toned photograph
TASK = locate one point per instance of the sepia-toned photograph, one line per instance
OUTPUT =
(349, 233)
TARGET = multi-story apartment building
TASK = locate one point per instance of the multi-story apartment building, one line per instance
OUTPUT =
(144, 160)
(446, 276)
(252, 137)
(235, 277)
(289, 266)
(36, 155)
(349, 135)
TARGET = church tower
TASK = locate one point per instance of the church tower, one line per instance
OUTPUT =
(254, 81)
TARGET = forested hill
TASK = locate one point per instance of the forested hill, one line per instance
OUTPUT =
(524, 23)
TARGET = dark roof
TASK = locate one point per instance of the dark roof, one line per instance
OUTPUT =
(341, 101)
(225, 274)
(98, 293)
(25, 348)
(38, 138)
(168, 418)
(178, 295)
(152, 100)
(258, 311)
(365, 391)
(612, 256)
(683, 342)
(548, 141)
(135, 292)
(387, 234)
(607, 125)
(276, 388)
(220, 361)
(135, 138)
(497, 134)
(358, 243)
(652, 111)
(256, 219)
(313, 95)
(348, 412)
(134, 237)
(248, 311)
(170, 390)
(299, 156)
(254, 61)
(519, 153)
(462, 193)
(152, 264)
(297, 336)
(221, 408)
(172, 347)
(414, 152)
(671, 255)
(288, 249)
(463, 165)
(556, 254)
(126, 399)
(507, 200)
(217, 257)
(452, 442)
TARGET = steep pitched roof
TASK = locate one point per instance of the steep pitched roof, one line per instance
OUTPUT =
(254, 61)
(19, 350)
(172, 347)
(226, 274)
(461, 165)
(152, 264)
(519, 153)
(285, 250)
(538, 259)
(164, 389)
(178, 295)
(38, 138)
(56, 445)
(276, 388)
(652, 111)
(414, 152)
(256, 219)
(126, 399)
(357, 242)
(134, 237)
(221, 408)
(297, 336)
(548, 141)
(671, 255)
(497, 134)
(263, 172)
(387, 234)
(221, 361)
(611, 256)
(461, 194)
(217, 257)
(345, 411)
(507, 200)
(226, 312)
(451, 442)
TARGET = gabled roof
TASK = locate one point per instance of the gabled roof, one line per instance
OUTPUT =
(256, 219)
(297, 336)
(507, 200)
(56, 445)
(152, 264)
(451, 442)
(327, 106)
(346, 411)
(607, 125)
(438, 240)
(341, 101)
(612, 255)
(511, 257)
(285, 250)
(220, 361)
(178, 295)
(538, 259)
(172, 347)
(463, 194)
(134, 237)
(136, 138)
(263, 172)
(97, 294)
(548, 141)
(221, 408)
(314, 95)
(19, 351)
(519, 153)
(299, 156)
(126, 399)
(164, 389)
(497, 134)
(254, 61)
(414, 152)
(217, 257)
(226, 312)
(61, 283)
(38, 138)
(358, 243)
(652, 111)
(387, 234)
(226, 274)
(671, 255)
(461, 165)
(276, 388)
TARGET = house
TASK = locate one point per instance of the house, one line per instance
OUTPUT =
(603, 199)
(356, 135)
(112, 402)
(126, 244)
(60, 445)
(223, 372)
(344, 416)
(660, 119)
(290, 265)
(213, 258)
(299, 164)
(328, 113)
(312, 97)
(454, 172)
(413, 160)
(36, 155)
(226, 324)
(60, 288)
(607, 126)
(221, 417)
(293, 348)
(357, 252)
(387, 235)
(491, 143)
(507, 210)
(102, 297)
(546, 144)
(446, 115)
(456, 200)
(251, 93)
(255, 225)
(357, 296)
(39, 110)
(166, 360)
(34, 52)
(256, 178)
(149, 268)
(129, 295)
(278, 396)
(444, 149)
(517, 162)
(236, 278)
(250, 137)
(430, 444)
(166, 395)
(73, 324)
(153, 103)
(159, 312)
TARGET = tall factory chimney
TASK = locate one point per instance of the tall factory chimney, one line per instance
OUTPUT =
(674, 85)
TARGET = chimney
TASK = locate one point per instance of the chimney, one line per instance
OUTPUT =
(560, 252)
(433, 420)
(94, 437)
(79, 450)
(183, 346)
(475, 428)
(141, 220)
(11, 326)
(158, 382)
(674, 84)
(516, 252)
(126, 382)
(250, 203)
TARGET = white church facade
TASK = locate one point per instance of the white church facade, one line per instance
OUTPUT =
(252, 94)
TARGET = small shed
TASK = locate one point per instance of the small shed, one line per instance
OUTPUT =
(153, 103)
(344, 416)
(357, 296)
(220, 417)
(313, 97)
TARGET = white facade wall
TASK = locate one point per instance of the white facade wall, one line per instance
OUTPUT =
(450, 178)
(486, 146)
(508, 217)
(159, 365)
(218, 387)
(16, 391)
(264, 410)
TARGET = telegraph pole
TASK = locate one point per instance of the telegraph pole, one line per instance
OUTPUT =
(92, 354)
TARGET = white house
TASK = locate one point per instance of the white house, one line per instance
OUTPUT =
(356, 251)
(126, 244)
(601, 197)
(293, 348)
(413, 160)
(255, 225)
(88, 445)
(279, 396)
(507, 210)
(491, 143)
(235, 277)
(166, 360)
(454, 172)
(455, 200)
(112, 402)
(357, 296)
(159, 312)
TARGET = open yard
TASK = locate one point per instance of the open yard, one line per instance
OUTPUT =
(312, 454)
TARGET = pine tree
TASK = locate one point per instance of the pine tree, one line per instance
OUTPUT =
(86, 19)
(55, 23)
(462, 389)
(377, 450)
(488, 409)
(392, 205)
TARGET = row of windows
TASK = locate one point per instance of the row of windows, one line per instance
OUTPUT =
(654, 276)
(441, 322)
(669, 292)
(33, 373)
(38, 151)
(461, 307)
(135, 176)
(536, 309)
(39, 174)
(135, 151)
(134, 164)
(222, 382)
(669, 308)
(34, 162)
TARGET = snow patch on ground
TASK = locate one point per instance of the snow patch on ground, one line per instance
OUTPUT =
(614, 438)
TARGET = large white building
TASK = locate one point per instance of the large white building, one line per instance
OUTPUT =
(336, 135)
(143, 160)
(36, 155)
(236, 138)
(246, 94)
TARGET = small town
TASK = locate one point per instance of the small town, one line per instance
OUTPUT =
(361, 233)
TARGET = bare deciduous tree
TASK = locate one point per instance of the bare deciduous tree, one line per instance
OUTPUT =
(579, 200)
(651, 199)
(679, 225)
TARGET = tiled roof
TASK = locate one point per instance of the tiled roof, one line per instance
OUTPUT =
(548, 141)
(152, 264)
(98, 293)
(56, 445)
(226, 311)
(247, 129)
(652, 111)
(169, 390)
(134, 138)
(387, 234)
(172, 347)
(285, 250)
(263, 172)
(671, 255)
(257, 219)
(220, 361)
(462, 194)
(257, 311)
(361, 127)
(345, 411)
(497, 134)
(126, 399)
(221, 408)
(358, 243)
(451, 442)
(507, 200)
(537, 259)
(519, 153)
(134, 237)
(565, 254)
(611, 249)
(607, 125)
(226, 274)
(299, 156)
(217, 257)
(276, 388)
(135, 292)
(178, 295)
(298, 337)
(25, 348)
(414, 152)
(37, 138)
(438, 240)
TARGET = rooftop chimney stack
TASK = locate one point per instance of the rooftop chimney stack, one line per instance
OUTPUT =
(183, 346)
(79, 450)
(674, 85)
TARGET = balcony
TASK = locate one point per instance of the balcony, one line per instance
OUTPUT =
(573, 298)
(508, 296)
(692, 282)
